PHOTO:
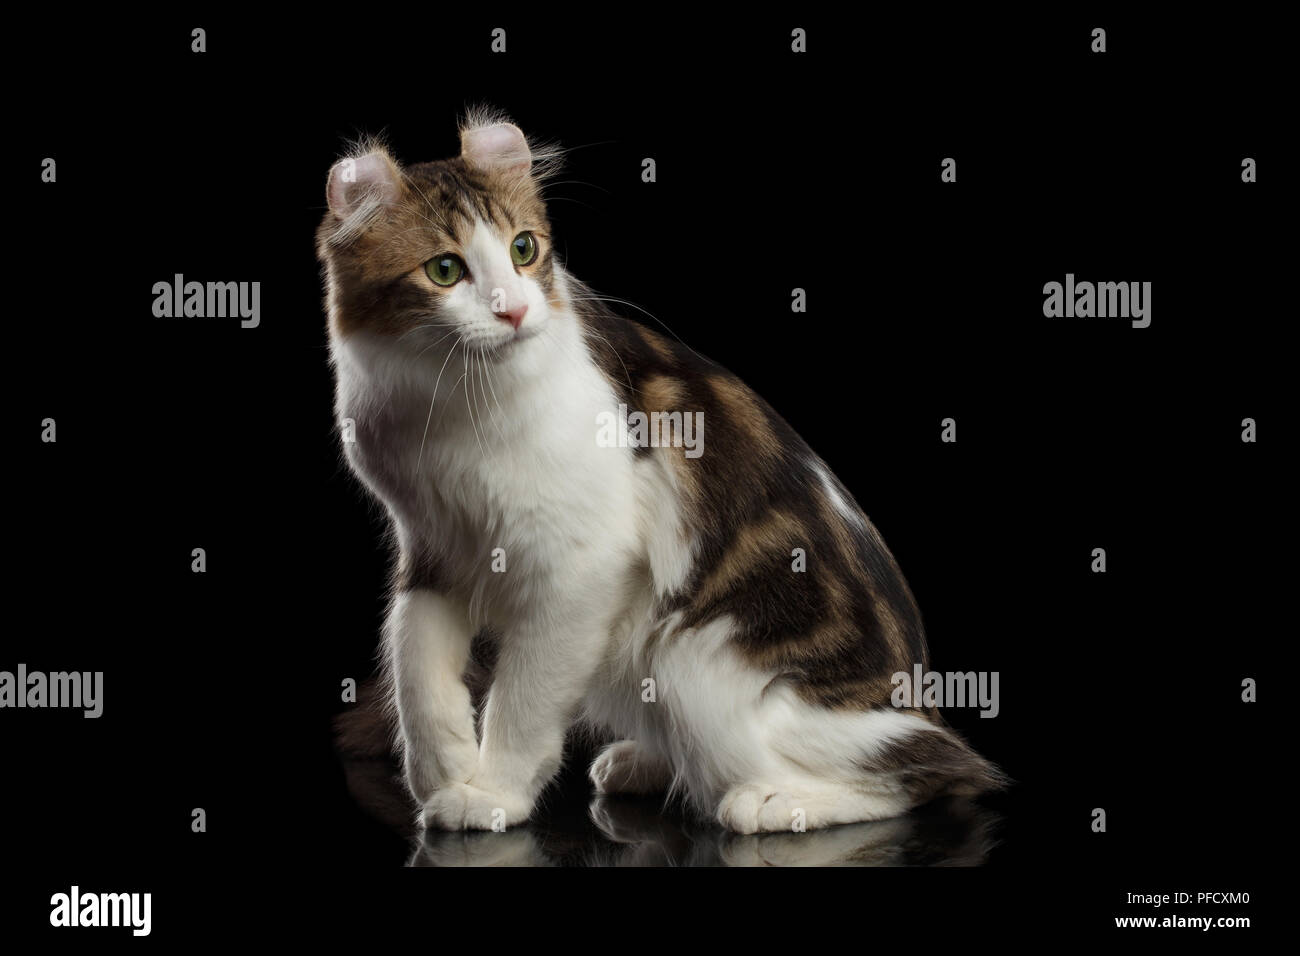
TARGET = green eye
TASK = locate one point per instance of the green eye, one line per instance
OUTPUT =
(445, 270)
(524, 249)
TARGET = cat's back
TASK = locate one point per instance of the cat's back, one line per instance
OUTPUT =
(779, 546)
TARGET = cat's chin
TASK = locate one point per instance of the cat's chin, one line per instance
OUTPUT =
(512, 345)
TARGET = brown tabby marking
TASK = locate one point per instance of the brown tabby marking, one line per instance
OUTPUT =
(378, 274)
(840, 629)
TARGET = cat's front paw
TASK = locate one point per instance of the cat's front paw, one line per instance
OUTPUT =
(462, 806)
(454, 762)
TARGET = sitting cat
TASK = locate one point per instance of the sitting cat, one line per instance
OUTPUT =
(651, 592)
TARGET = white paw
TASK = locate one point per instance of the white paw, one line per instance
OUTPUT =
(740, 807)
(758, 808)
(624, 767)
(761, 808)
(461, 806)
(454, 762)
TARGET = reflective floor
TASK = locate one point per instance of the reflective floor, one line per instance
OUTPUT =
(639, 833)
(575, 827)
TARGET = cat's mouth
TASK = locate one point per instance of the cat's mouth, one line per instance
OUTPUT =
(507, 346)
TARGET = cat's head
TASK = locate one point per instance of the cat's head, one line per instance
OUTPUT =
(455, 251)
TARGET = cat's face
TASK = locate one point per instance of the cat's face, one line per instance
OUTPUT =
(456, 252)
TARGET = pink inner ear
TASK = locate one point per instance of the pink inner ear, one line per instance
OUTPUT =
(496, 147)
(351, 180)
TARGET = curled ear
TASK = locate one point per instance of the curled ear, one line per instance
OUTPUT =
(500, 147)
(362, 182)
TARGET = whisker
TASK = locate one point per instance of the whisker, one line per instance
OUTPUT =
(563, 349)
(436, 344)
(576, 182)
(609, 298)
(626, 374)
(447, 405)
(468, 409)
(485, 381)
(419, 458)
(488, 374)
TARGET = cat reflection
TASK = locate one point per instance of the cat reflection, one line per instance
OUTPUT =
(638, 833)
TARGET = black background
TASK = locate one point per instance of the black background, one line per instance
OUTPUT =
(775, 170)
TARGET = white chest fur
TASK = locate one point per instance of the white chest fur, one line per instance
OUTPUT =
(495, 465)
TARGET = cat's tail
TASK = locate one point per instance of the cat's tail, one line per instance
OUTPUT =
(932, 760)
(894, 758)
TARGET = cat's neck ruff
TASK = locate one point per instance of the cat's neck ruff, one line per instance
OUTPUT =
(545, 371)
(518, 448)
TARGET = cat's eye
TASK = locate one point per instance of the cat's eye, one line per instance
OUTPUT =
(524, 249)
(445, 270)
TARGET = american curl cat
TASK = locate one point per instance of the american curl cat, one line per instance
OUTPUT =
(639, 587)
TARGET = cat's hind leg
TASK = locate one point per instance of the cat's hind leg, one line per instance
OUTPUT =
(829, 767)
(751, 750)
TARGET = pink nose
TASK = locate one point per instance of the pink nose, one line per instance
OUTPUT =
(514, 316)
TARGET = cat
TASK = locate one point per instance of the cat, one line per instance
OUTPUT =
(626, 585)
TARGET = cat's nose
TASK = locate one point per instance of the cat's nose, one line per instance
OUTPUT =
(514, 316)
